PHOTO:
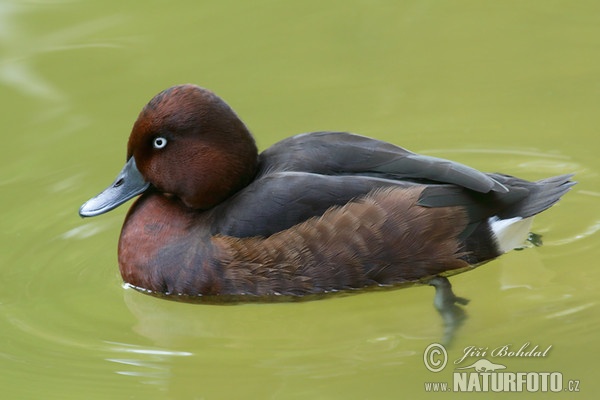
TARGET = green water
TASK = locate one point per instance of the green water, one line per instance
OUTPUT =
(502, 86)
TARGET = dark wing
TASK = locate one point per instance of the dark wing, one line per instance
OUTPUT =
(339, 153)
(524, 199)
(303, 176)
(281, 200)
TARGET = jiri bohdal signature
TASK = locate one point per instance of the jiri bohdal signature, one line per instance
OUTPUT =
(504, 351)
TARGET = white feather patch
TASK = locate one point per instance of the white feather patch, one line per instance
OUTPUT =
(510, 233)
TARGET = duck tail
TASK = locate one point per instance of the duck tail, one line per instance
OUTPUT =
(511, 225)
(542, 194)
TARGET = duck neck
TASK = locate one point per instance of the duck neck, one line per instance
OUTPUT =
(224, 168)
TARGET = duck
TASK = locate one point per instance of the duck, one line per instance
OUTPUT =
(315, 213)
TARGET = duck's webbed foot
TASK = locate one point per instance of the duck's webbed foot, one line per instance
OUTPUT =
(445, 302)
(535, 239)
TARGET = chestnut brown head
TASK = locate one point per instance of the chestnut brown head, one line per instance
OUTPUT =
(186, 142)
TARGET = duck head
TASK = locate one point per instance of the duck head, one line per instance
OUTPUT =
(186, 142)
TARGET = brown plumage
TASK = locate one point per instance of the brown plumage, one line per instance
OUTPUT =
(381, 239)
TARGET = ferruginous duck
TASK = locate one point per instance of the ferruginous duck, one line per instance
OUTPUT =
(315, 213)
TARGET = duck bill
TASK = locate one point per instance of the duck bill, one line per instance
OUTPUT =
(129, 183)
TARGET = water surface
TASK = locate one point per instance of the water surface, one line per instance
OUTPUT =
(500, 86)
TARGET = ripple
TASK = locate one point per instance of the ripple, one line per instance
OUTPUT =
(129, 348)
(82, 232)
(571, 310)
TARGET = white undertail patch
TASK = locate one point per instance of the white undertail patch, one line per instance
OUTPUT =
(510, 233)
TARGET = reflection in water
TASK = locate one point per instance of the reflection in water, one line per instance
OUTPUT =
(84, 231)
(152, 364)
(589, 231)
(21, 49)
(571, 310)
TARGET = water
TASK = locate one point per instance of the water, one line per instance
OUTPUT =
(502, 86)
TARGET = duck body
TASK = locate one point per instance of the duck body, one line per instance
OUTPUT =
(315, 213)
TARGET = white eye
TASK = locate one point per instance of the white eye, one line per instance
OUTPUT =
(159, 142)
